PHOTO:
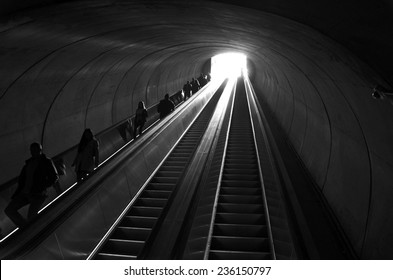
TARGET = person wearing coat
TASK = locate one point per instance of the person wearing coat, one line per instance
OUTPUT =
(38, 174)
(87, 157)
(140, 118)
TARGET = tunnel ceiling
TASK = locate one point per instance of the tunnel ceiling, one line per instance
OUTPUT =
(363, 26)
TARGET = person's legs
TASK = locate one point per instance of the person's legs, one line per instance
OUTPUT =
(12, 210)
(35, 206)
(135, 130)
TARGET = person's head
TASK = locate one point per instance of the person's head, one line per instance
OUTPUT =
(88, 134)
(35, 149)
(141, 105)
(167, 96)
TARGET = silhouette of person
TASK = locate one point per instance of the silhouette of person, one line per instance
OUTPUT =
(140, 118)
(36, 176)
(194, 85)
(202, 80)
(165, 107)
(87, 157)
(187, 90)
(208, 77)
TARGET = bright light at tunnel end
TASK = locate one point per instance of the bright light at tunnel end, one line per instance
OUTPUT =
(228, 65)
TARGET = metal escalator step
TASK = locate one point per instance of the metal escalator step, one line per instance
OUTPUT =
(179, 154)
(236, 145)
(241, 160)
(172, 174)
(155, 194)
(174, 163)
(106, 256)
(251, 171)
(138, 221)
(240, 148)
(183, 161)
(236, 243)
(240, 218)
(160, 186)
(241, 199)
(243, 157)
(240, 208)
(238, 255)
(240, 191)
(241, 177)
(165, 180)
(240, 166)
(237, 184)
(131, 233)
(240, 230)
(186, 146)
(151, 202)
(166, 168)
(244, 153)
(145, 211)
(123, 247)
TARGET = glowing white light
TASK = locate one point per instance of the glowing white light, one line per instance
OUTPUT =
(228, 65)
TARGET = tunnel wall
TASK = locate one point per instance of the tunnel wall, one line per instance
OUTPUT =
(322, 101)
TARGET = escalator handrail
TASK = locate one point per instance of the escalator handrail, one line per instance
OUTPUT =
(265, 203)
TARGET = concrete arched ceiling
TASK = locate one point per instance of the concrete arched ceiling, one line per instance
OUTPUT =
(82, 64)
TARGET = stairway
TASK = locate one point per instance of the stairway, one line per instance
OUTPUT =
(135, 232)
(240, 228)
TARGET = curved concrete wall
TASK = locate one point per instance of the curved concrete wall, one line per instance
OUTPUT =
(71, 66)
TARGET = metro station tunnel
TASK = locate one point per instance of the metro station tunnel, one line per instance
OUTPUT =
(287, 156)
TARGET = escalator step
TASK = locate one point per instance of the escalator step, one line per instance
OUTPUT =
(106, 256)
(240, 191)
(235, 165)
(160, 187)
(165, 168)
(237, 184)
(240, 177)
(242, 199)
(230, 160)
(145, 211)
(123, 247)
(239, 218)
(251, 171)
(138, 221)
(165, 180)
(151, 202)
(172, 174)
(240, 230)
(131, 233)
(155, 194)
(236, 243)
(174, 163)
(240, 208)
(238, 255)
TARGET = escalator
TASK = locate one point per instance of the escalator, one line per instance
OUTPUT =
(134, 232)
(241, 227)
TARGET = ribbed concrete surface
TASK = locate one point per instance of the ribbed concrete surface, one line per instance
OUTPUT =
(86, 64)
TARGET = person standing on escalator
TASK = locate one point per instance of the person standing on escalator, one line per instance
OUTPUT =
(87, 157)
(38, 174)
(165, 107)
(140, 118)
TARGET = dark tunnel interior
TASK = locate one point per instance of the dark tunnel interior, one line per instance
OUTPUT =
(69, 65)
